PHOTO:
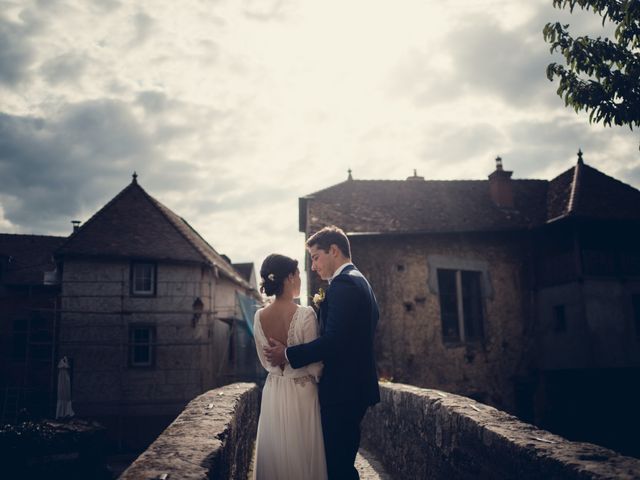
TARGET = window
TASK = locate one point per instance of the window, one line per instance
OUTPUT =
(143, 279)
(142, 339)
(636, 314)
(560, 319)
(461, 307)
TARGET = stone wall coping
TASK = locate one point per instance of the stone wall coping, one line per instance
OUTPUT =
(468, 429)
(212, 438)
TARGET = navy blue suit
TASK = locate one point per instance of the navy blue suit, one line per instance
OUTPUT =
(349, 383)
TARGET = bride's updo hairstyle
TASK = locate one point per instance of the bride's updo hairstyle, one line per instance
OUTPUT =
(275, 269)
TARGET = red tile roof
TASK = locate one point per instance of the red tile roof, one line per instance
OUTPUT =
(25, 258)
(136, 225)
(414, 205)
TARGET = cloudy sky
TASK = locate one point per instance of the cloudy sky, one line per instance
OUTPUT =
(231, 110)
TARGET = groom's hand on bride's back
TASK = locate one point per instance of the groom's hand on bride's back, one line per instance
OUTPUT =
(275, 352)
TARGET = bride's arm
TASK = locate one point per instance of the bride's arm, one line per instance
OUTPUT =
(310, 333)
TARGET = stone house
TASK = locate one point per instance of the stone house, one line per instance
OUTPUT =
(523, 294)
(150, 315)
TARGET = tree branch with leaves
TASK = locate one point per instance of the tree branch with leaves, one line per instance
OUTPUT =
(602, 75)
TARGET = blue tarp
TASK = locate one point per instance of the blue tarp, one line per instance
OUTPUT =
(248, 307)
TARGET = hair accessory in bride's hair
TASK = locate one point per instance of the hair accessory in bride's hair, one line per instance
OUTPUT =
(271, 277)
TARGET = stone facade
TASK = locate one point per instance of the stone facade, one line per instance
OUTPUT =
(150, 315)
(549, 272)
(409, 340)
(190, 356)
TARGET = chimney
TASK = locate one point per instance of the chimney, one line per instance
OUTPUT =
(415, 176)
(76, 225)
(500, 186)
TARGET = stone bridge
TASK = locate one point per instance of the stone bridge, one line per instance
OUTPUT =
(414, 433)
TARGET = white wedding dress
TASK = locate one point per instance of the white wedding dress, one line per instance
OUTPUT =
(289, 444)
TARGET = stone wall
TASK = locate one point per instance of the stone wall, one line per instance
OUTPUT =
(429, 434)
(190, 353)
(212, 438)
(97, 311)
(598, 330)
(409, 341)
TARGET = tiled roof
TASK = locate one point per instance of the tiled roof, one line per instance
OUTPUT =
(597, 195)
(389, 206)
(415, 205)
(136, 225)
(559, 194)
(25, 258)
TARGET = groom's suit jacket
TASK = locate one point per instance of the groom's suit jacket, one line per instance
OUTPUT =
(348, 318)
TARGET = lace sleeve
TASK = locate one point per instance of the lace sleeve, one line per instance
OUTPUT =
(310, 333)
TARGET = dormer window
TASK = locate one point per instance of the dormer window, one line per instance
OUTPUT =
(143, 279)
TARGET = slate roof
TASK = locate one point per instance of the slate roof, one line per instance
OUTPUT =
(415, 205)
(25, 258)
(136, 225)
(597, 195)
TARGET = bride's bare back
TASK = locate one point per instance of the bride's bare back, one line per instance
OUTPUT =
(275, 320)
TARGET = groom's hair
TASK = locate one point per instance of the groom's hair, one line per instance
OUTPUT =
(328, 236)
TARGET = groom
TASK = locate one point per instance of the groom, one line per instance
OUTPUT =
(348, 318)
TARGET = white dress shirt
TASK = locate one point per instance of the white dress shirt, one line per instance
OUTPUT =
(339, 271)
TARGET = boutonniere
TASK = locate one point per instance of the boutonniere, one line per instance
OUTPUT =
(318, 298)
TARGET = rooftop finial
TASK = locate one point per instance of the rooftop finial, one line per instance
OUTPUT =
(349, 177)
(580, 161)
(498, 163)
(135, 177)
(415, 172)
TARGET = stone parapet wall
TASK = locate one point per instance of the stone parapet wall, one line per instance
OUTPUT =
(212, 438)
(428, 434)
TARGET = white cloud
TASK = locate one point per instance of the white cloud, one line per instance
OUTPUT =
(5, 225)
(229, 111)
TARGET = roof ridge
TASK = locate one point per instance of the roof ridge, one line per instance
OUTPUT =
(575, 184)
(160, 206)
(446, 180)
(95, 215)
(39, 235)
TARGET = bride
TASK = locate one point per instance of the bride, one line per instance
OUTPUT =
(289, 443)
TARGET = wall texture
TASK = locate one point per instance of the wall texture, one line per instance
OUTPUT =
(421, 433)
(409, 341)
(212, 438)
(94, 331)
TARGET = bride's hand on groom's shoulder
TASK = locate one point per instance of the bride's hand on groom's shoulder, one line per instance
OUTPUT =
(275, 352)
